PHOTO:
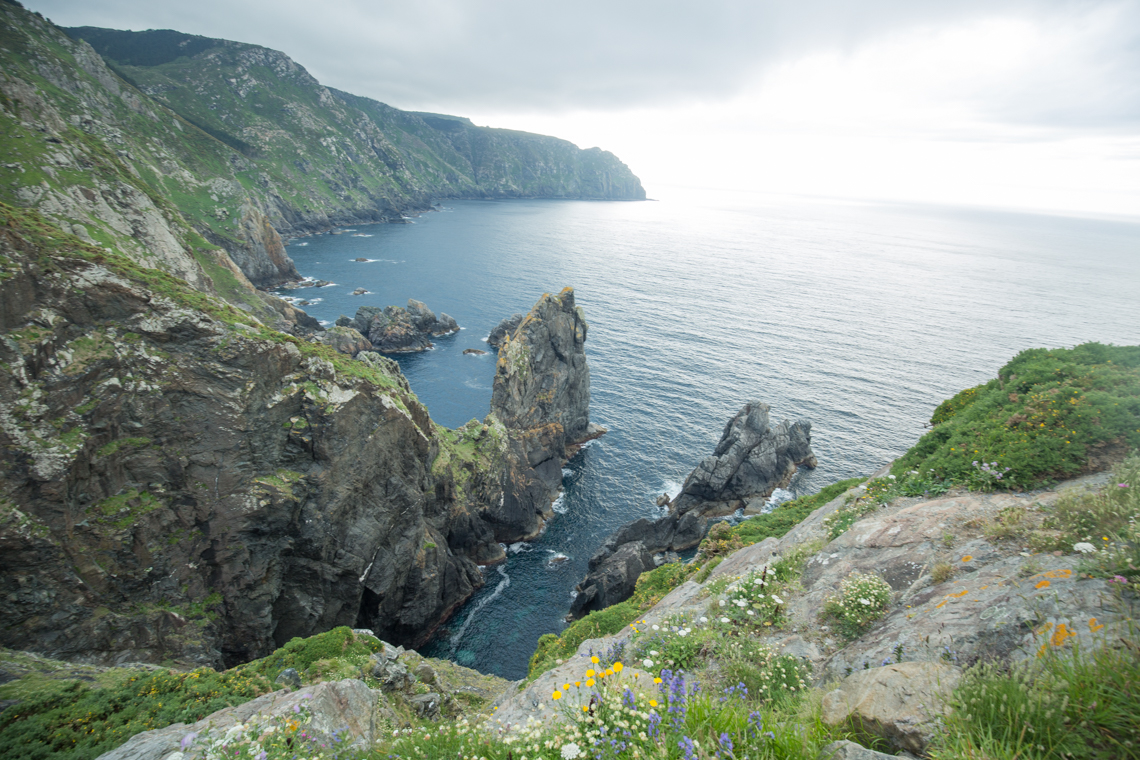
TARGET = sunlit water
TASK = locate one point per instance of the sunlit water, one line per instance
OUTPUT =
(860, 318)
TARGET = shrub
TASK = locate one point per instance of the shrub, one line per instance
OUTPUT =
(766, 675)
(862, 599)
(1044, 417)
(942, 572)
(757, 599)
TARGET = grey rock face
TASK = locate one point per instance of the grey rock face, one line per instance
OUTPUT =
(751, 460)
(394, 329)
(847, 750)
(426, 705)
(346, 340)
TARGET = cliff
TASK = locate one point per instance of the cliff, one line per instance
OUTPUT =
(178, 483)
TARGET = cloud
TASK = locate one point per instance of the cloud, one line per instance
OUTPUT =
(508, 55)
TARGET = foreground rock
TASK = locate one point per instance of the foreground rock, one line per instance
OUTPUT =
(751, 461)
(395, 330)
(902, 703)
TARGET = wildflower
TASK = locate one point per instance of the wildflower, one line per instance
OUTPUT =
(187, 740)
(653, 703)
(1084, 547)
(1122, 485)
(590, 673)
(1118, 579)
(618, 667)
(657, 628)
(777, 599)
(570, 750)
(724, 620)
(594, 659)
(556, 695)
(647, 662)
(589, 681)
(865, 602)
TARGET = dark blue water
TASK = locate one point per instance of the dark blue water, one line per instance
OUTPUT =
(858, 317)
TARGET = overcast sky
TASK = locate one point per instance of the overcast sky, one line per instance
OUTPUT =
(1026, 104)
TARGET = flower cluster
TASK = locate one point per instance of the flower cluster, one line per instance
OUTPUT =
(862, 599)
(754, 600)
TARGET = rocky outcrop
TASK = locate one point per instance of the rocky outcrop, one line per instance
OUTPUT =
(346, 340)
(396, 330)
(541, 394)
(751, 461)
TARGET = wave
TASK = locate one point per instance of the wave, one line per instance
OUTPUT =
(361, 234)
(566, 472)
(503, 584)
(325, 322)
(519, 546)
(559, 505)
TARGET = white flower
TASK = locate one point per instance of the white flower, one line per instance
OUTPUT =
(657, 628)
(750, 612)
(1084, 548)
(721, 602)
(654, 652)
(683, 632)
(865, 602)
(704, 620)
(570, 750)
(740, 603)
(647, 662)
(892, 477)
(724, 620)
(777, 599)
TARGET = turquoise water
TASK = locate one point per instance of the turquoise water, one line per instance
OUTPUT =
(858, 317)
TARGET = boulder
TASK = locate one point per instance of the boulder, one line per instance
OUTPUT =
(901, 703)
(390, 672)
(395, 329)
(426, 705)
(614, 579)
(425, 673)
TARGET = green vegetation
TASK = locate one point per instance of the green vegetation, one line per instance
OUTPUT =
(1045, 416)
(125, 509)
(789, 514)
(1078, 705)
(72, 721)
(314, 656)
(862, 599)
(122, 443)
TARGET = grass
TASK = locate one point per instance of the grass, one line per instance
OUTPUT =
(1050, 414)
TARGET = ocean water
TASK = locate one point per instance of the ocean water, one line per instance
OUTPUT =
(858, 317)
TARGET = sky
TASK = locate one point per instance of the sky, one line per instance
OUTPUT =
(1021, 104)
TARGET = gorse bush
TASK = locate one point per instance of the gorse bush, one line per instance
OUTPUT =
(1046, 414)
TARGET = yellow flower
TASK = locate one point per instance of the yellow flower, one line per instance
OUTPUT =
(590, 673)
(617, 667)
(577, 683)
(585, 708)
(609, 671)
(653, 703)
(589, 681)
(594, 659)
(556, 695)
(657, 680)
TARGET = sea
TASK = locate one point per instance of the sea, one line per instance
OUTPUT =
(858, 317)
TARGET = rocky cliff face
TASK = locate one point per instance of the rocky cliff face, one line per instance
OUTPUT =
(179, 484)
(751, 461)
(541, 395)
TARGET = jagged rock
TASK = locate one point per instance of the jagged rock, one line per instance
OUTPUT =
(902, 703)
(848, 750)
(541, 394)
(426, 705)
(474, 352)
(503, 330)
(360, 258)
(347, 707)
(394, 329)
(358, 292)
(346, 340)
(751, 460)
(289, 677)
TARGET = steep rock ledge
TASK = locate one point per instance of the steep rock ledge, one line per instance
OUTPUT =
(178, 485)
(751, 461)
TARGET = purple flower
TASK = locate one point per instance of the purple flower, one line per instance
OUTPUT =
(187, 740)
(1122, 485)
(725, 742)
(1119, 579)
(686, 744)
(296, 708)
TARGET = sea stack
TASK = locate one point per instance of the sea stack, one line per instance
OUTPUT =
(751, 461)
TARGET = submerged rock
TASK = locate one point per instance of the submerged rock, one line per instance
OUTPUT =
(474, 352)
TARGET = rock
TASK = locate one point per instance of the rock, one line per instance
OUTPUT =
(901, 703)
(752, 459)
(289, 677)
(360, 292)
(663, 500)
(503, 330)
(346, 340)
(848, 750)
(425, 673)
(541, 394)
(474, 352)
(391, 673)
(347, 707)
(426, 705)
(360, 258)
(397, 330)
